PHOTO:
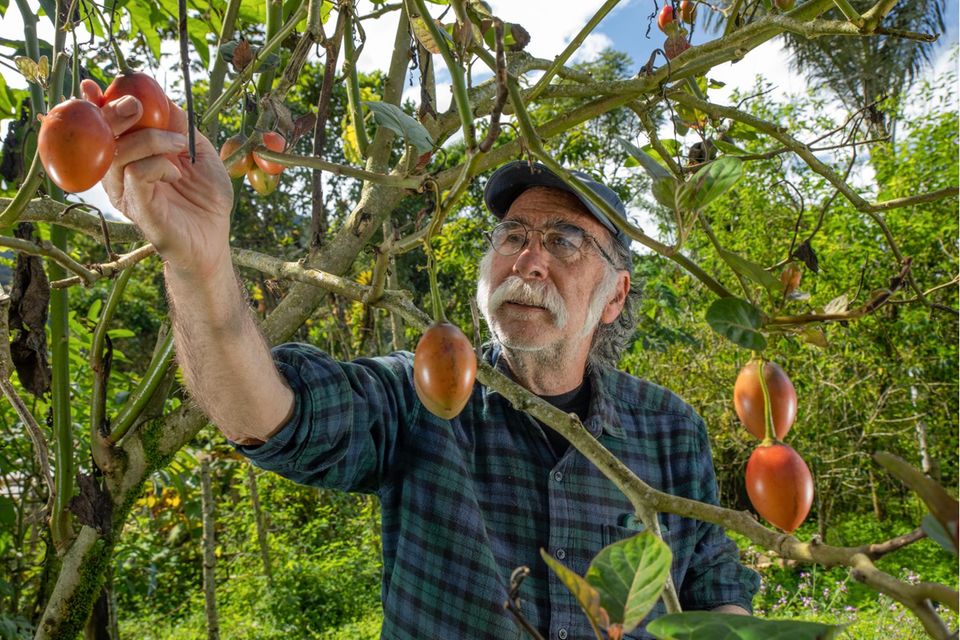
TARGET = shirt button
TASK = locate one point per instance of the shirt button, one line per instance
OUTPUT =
(562, 634)
(558, 476)
(561, 554)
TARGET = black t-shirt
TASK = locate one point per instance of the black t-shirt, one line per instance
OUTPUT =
(576, 401)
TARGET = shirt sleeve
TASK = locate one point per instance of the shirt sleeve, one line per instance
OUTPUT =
(716, 576)
(347, 420)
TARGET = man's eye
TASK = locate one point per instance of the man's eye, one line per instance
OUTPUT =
(561, 241)
(514, 238)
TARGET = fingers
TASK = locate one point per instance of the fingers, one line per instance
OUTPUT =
(121, 114)
(140, 176)
(178, 118)
(134, 150)
(91, 92)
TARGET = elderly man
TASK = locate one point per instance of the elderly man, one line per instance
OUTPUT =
(464, 501)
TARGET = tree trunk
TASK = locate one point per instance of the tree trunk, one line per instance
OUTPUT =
(209, 553)
(926, 462)
(260, 520)
(98, 626)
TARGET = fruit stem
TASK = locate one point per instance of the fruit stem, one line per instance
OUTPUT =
(770, 434)
(432, 229)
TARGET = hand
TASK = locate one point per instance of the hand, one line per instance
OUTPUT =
(183, 209)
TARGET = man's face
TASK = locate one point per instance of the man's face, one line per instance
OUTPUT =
(535, 301)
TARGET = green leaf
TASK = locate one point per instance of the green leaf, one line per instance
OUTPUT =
(394, 118)
(710, 182)
(120, 333)
(8, 513)
(936, 532)
(726, 626)
(738, 321)
(93, 313)
(630, 575)
(3, 7)
(665, 192)
(587, 597)
(8, 101)
(656, 171)
(751, 270)
(728, 147)
(147, 20)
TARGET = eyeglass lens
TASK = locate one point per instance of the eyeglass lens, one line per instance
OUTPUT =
(562, 240)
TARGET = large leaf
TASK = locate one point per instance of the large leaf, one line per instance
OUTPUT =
(751, 270)
(654, 168)
(738, 321)
(710, 182)
(665, 191)
(630, 576)
(394, 118)
(698, 625)
(147, 20)
(587, 597)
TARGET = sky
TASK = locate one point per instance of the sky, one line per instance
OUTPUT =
(552, 24)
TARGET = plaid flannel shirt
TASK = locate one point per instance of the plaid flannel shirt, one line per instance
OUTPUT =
(466, 501)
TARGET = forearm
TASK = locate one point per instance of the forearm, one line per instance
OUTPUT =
(226, 363)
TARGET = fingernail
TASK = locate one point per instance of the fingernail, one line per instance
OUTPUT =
(126, 106)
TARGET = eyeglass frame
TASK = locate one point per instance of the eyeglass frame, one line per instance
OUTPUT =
(526, 239)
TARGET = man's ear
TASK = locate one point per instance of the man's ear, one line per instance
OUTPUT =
(615, 305)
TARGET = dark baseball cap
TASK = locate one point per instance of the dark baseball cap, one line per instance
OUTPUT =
(509, 181)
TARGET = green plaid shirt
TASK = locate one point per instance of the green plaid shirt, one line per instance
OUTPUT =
(466, 501)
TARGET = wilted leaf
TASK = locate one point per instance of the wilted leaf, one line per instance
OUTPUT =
(738, 321)
(423, 35)
(837, 305)
(630, 575)
(814, 336)
(698, 625)
(751, 270)
(710, 182)
(807, 255)
(404, 125)
(242, 55)
(29, 301)
(43, 69)
(27, 67)
(587, 597)
(93, 506)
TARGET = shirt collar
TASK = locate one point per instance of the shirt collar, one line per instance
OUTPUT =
(602, 415)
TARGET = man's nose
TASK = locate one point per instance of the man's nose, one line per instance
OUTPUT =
(532, 260)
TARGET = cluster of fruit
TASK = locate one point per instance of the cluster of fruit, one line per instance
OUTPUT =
(779, 482)
(77, 145)
(676, 42)
(262, 174)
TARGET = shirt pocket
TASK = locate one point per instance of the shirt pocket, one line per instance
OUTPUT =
(627, 526)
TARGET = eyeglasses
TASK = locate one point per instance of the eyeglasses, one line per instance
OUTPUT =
(562, 240)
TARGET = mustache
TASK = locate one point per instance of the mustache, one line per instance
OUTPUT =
(515, 289)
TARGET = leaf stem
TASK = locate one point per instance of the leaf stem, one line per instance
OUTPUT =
(769, 433)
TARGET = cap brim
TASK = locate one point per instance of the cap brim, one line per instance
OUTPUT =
(509, 181)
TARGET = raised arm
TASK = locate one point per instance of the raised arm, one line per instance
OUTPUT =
(184, 210)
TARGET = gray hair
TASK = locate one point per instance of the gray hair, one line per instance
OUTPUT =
(611, 340)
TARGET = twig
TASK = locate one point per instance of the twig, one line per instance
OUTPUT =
(109, 269)
(47, 249)
(185, 70)
(512, 603)
(36, 436)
